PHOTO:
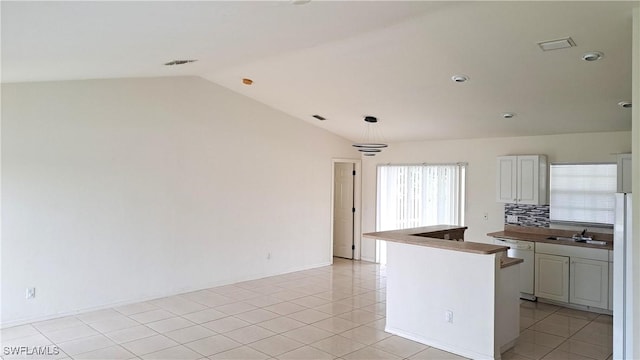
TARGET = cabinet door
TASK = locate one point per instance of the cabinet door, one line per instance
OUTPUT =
(507, 179)
(552, 277)
(528, 179)
(589, 283)
(624, 173)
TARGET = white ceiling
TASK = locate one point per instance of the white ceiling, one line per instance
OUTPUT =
(345, 60)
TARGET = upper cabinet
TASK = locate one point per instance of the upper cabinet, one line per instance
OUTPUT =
(624, 173)
(522, 179)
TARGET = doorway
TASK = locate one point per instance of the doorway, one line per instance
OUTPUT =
(345, 209)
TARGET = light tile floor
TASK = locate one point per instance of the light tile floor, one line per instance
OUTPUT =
(334, 312)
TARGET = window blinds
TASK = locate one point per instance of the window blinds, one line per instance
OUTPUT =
(419, 195)
(583, 193)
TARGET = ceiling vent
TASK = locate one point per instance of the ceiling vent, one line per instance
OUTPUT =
(179, 62)
(557, 44)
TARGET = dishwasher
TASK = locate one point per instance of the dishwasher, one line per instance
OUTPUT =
(523, 250)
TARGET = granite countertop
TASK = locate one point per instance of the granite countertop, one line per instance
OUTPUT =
(410, 236)
(533, 234)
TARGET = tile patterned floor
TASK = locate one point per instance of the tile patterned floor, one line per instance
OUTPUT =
(334, 312)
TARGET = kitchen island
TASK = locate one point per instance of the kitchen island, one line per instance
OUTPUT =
(455, 295)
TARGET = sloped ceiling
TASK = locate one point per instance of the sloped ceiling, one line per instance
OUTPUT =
(345, 60)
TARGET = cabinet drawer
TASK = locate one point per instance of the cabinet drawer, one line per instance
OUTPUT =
(573, 251)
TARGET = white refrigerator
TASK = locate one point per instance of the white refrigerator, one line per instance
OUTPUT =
(622, 287)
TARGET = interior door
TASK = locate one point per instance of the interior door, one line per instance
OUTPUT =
(343, 210)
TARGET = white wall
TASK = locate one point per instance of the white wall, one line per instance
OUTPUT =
(120, 190)
(423, 283)
(481, 155)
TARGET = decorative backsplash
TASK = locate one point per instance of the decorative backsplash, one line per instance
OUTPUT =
(527, 215)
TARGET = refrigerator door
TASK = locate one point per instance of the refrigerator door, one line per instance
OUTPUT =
(622, 310)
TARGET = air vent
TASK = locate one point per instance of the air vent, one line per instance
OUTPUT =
(179, 62)
(319, 117)
(557, 44)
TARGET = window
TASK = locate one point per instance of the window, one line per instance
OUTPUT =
(583, 193)
(419, 195)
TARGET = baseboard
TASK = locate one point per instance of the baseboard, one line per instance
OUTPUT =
(18, 322)
(439, 345)
(576, 307)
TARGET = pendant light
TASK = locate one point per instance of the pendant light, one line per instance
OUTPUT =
(372, 143)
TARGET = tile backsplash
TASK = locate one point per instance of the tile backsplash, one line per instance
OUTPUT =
(527, 215)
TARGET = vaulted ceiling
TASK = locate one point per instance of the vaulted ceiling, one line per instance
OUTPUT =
(347, 59)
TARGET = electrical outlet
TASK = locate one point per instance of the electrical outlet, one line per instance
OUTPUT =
(512, 218)
(31, 293)
(448, 316)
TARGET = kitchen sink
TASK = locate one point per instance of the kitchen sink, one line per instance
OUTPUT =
(563, 238)
(578, 239)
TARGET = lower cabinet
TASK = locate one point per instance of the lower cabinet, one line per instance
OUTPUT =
(576, 275)
(589, 282)
(552, 277)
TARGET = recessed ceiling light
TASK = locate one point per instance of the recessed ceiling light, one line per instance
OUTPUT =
(179, 62)
(625, 104)
(459, 78)
(247, 81)
(592, 56)
(557, 44)
(508, 115)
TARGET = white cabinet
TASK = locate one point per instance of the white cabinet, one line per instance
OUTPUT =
(572, 274)
(522, 179)
(624, 173)
(589, 282)
(552, 277)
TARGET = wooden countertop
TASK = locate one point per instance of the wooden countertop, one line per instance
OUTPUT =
(540, 235)
(418, 236)
(507, 261)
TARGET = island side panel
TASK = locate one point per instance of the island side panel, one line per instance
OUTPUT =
(423, 283)
(507, 306)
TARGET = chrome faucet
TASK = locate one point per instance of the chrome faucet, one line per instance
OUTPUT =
(582, 236)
